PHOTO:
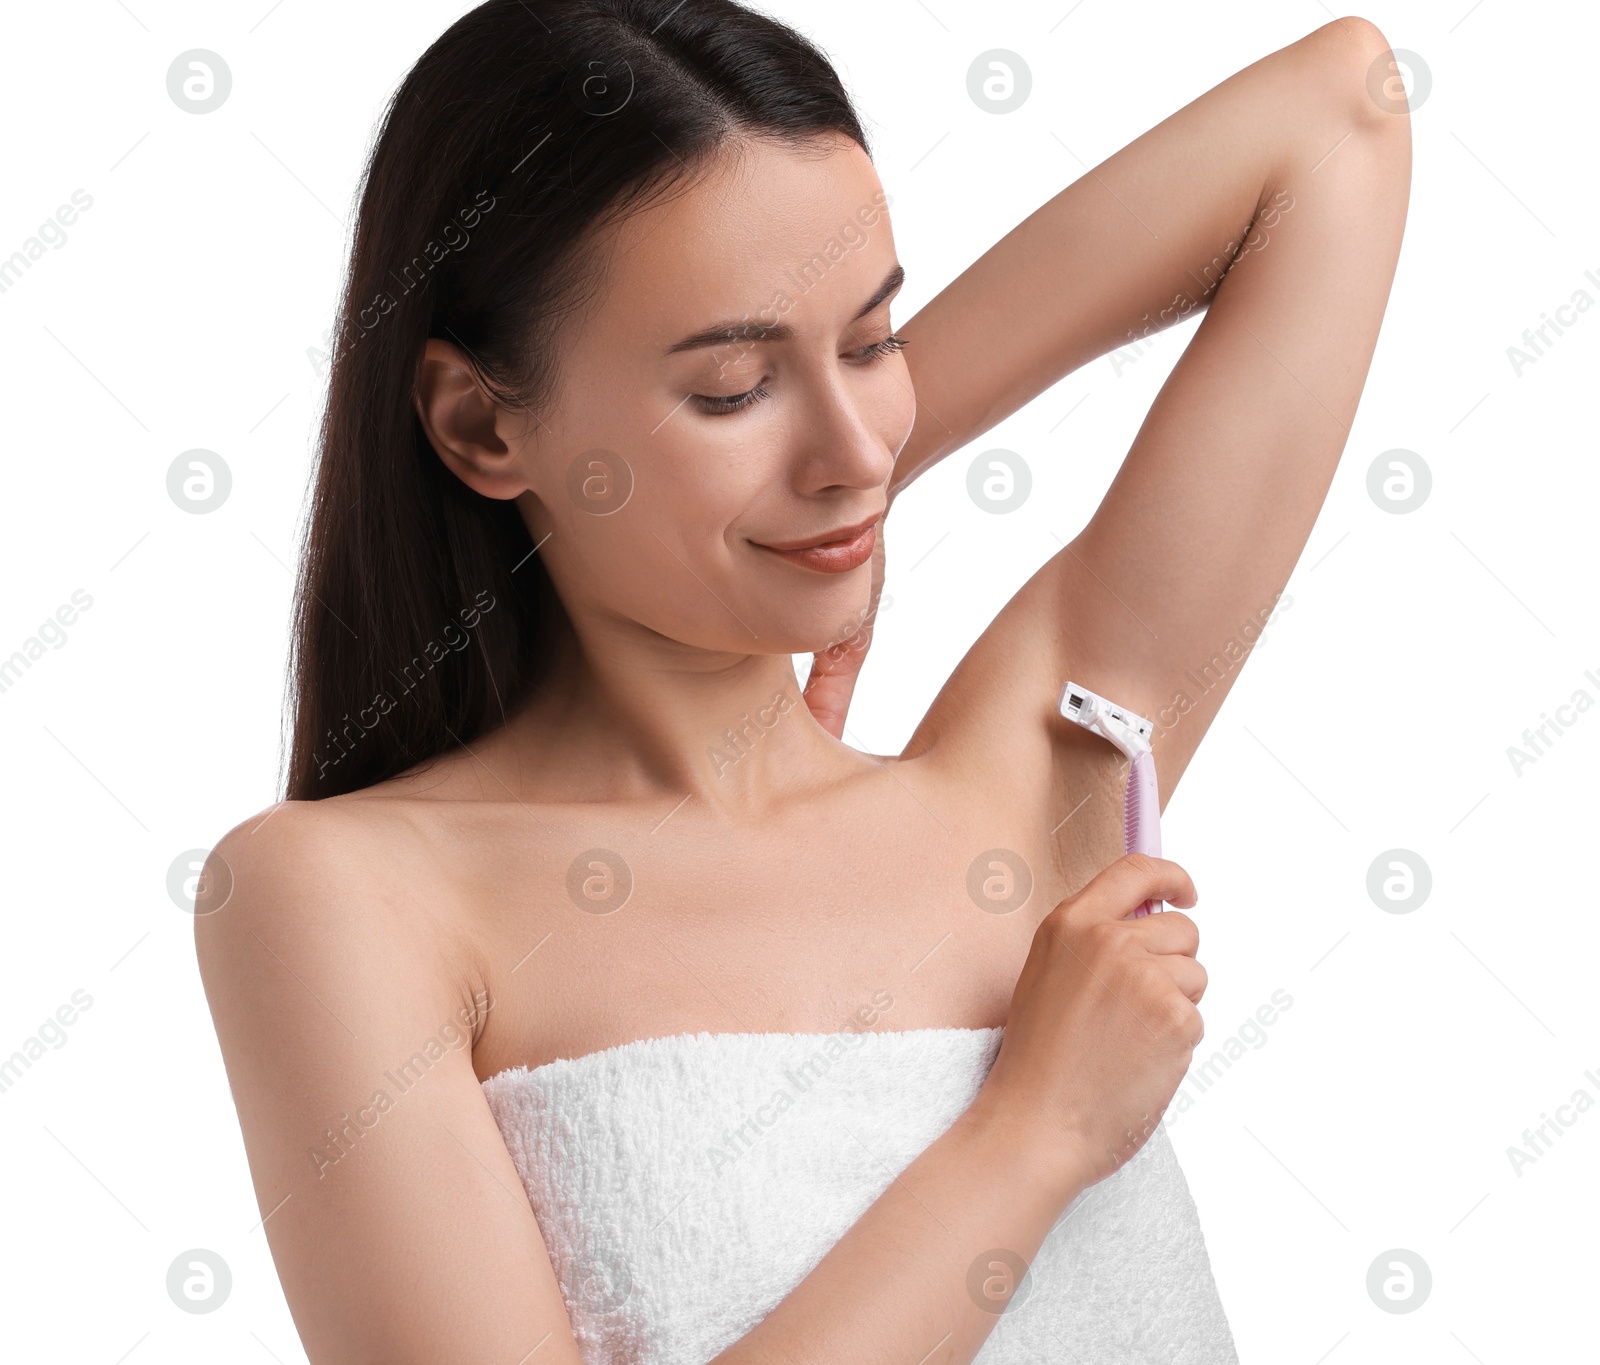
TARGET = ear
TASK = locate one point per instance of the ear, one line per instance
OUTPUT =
(484, 445)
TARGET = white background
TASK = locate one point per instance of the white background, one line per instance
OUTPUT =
(1376, 715)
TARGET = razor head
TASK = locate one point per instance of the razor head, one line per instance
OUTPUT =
(1126, 729)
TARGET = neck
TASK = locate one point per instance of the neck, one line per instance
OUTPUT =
(626, 714)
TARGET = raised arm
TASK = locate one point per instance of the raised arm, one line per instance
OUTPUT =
(1288, 182)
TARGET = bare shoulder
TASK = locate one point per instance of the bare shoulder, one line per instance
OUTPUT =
(332, 963)
(335, 873)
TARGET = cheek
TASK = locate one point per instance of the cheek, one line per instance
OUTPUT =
(690, 502)
(687, 489)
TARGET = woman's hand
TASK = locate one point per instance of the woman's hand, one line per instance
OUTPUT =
(832, 679)
(1103, 1021)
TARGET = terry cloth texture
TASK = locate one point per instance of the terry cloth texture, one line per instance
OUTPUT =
(685, 1185)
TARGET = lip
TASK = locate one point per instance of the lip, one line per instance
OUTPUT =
(834, 551)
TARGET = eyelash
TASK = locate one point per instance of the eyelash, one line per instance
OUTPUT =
(721, 406)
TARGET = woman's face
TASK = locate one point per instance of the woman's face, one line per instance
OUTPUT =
(671, 461)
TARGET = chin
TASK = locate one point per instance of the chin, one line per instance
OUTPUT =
(836, 618)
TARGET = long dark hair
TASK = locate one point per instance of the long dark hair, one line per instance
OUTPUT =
(422, 612)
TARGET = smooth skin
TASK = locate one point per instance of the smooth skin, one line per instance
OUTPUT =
(787, 889)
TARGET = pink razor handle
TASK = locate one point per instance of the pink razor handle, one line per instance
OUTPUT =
(1141, 817)
(1132, 735)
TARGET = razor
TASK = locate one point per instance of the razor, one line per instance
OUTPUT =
(1130, 733)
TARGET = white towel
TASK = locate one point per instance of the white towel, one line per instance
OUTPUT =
(686, 1184)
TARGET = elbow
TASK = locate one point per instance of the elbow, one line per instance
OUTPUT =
(1367, 76)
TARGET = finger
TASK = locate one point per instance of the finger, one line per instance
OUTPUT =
(834, 670)
(827, 695)
(1172, 932)
(832, 680)
(1187, 975)
(1124, 885)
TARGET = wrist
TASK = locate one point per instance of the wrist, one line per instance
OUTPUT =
(1038, 1152)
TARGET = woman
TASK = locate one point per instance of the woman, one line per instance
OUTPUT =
(589, 997)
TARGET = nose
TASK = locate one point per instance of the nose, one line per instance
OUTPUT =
(849, 425)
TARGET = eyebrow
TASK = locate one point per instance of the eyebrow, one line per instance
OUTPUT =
(724, 332)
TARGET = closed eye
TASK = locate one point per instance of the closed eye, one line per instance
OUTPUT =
(720, 405)
(879, 349)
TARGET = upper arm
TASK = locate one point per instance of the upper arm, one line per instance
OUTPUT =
(397, 1221)
(1158, 600)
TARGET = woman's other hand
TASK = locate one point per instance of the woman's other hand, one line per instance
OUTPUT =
(832, 680)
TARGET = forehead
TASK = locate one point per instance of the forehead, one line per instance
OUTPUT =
(763, 226)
